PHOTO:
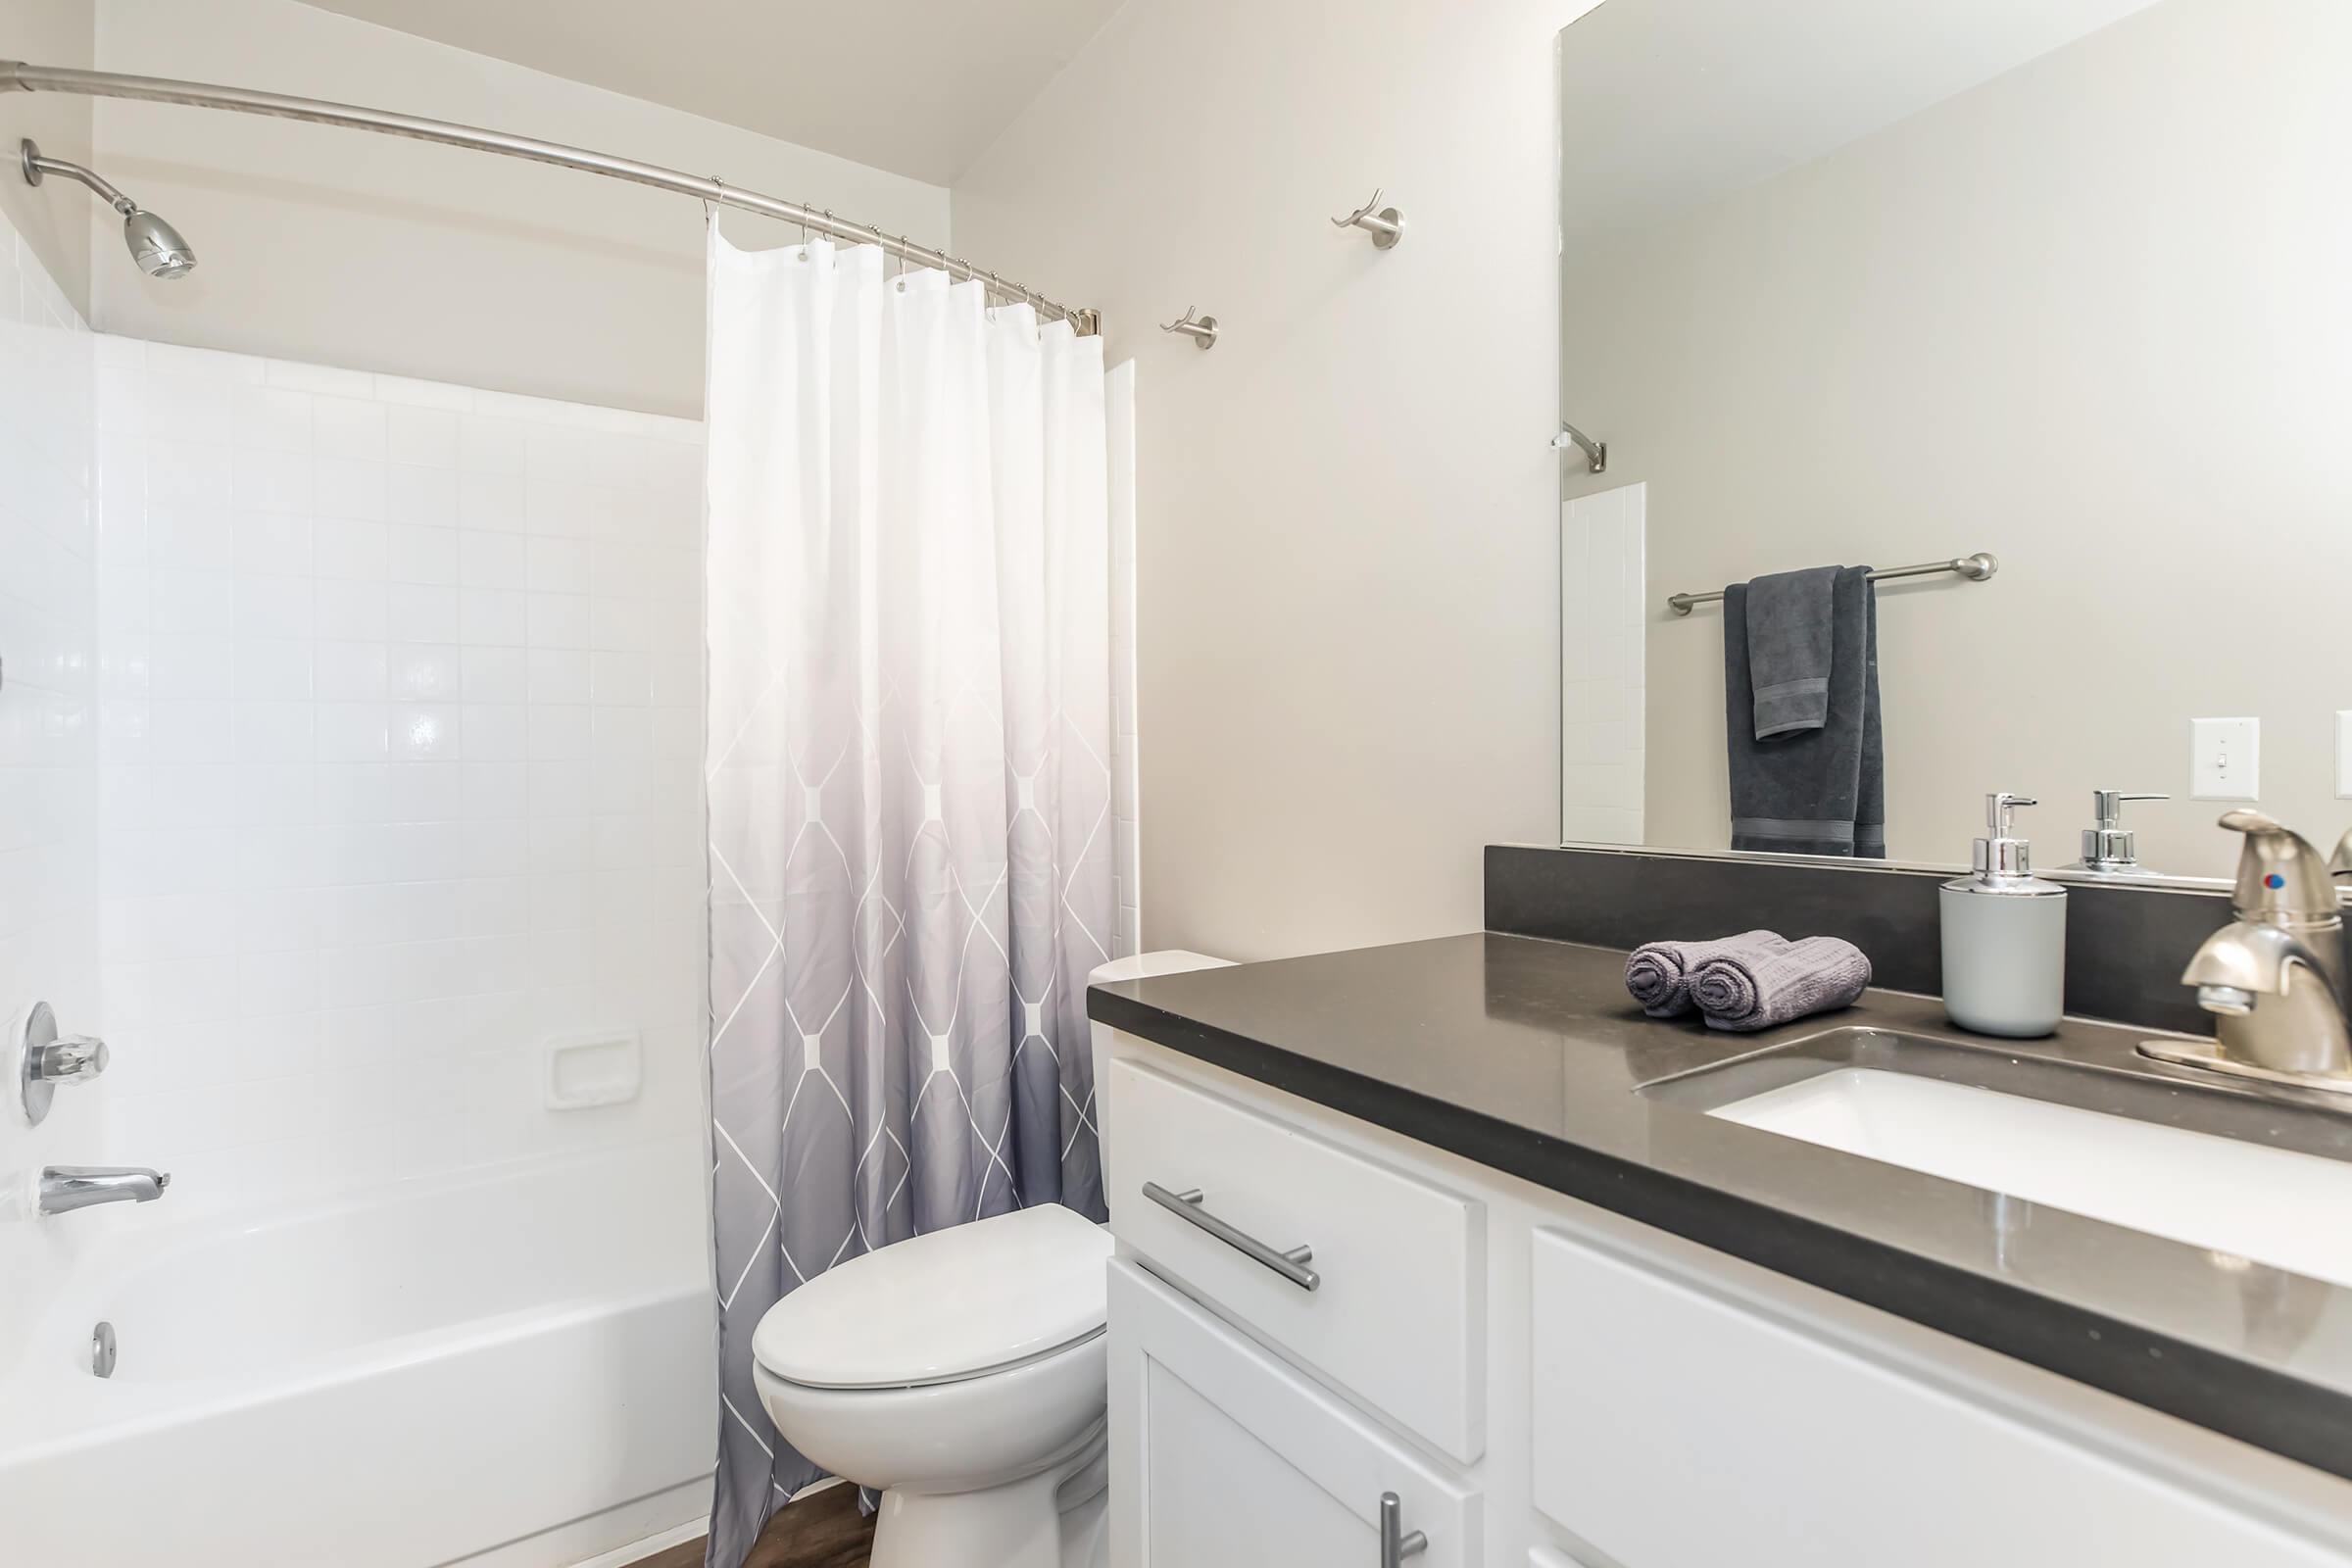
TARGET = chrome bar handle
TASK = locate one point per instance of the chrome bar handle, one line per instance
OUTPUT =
(1185, 1205)
(1395, 1544)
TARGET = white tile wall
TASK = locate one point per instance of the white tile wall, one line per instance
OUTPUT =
(348, 740)
(1604, 620)
(402, 710)
(48, 747)
(1125, 760)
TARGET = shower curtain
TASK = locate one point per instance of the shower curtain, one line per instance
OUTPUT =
(907, 772)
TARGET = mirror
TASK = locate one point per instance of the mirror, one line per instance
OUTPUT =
(2067, 282)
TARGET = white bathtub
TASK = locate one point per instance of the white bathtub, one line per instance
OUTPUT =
(514, 1368)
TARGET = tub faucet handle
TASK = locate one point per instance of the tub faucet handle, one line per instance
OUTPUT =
(68, 1058)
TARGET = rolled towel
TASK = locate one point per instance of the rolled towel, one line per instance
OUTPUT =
(1760, 986)
(1658, 973)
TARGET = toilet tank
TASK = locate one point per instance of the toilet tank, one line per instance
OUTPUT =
(1142, 966)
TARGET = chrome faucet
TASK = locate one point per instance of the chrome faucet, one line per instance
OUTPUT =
(2275, 975)
(67, 1188)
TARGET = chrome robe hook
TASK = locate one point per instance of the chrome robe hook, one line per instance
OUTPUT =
(1201, 329)
(1386, 226)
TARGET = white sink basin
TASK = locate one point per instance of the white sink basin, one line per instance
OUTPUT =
(2271, 1205)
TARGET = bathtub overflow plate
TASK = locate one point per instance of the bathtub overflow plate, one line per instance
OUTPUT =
(102, 1350)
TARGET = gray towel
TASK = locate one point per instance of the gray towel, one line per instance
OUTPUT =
(1658, 973)
(1810, 791)
(1789, 621)
(1760, 986)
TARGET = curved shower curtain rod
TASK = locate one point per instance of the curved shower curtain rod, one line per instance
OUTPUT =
(18, 76)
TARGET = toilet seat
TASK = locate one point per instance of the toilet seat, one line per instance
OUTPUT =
(944, 1307)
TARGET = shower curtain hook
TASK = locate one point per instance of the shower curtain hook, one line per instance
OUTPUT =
(711, 204)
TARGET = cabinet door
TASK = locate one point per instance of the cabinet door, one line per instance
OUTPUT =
(1223, 1457)
(1675, 1427)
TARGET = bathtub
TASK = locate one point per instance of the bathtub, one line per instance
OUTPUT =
(509, 1371)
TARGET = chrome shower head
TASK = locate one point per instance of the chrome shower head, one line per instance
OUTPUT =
(154, 244)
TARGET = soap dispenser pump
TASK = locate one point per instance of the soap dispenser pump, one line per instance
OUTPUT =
(2004, 936)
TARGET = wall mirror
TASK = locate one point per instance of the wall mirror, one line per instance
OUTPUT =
(2066, 282)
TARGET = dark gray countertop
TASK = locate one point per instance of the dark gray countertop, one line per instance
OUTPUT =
(1525, 1055)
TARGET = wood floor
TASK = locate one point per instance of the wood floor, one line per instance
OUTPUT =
(823, 1529)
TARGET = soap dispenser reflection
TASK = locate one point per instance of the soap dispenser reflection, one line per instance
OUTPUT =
(2004, 936)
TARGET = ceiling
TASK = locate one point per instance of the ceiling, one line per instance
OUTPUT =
(920, 89)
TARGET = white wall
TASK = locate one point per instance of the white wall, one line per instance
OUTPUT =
(378, 254)
(51, 219)
(48, 753)
(403, 691)
(1347, 632)
(2091, 316)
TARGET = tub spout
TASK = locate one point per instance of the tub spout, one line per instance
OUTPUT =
(65, 1188)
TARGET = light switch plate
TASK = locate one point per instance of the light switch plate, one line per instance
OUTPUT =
(2343, 753)
(2225, 758)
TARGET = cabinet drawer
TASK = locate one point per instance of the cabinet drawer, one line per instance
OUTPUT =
(1676, 1428)
(1396, 1315)
(1224, 1457)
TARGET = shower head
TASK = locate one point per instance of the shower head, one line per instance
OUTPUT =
(154, 244)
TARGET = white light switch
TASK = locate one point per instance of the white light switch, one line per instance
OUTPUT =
(2343, 755)
(2225, 759)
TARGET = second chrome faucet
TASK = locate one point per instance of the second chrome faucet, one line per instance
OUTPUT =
(2275, 975)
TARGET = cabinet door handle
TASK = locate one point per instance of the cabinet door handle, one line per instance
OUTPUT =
(1395, 1544)
(1185, 1205)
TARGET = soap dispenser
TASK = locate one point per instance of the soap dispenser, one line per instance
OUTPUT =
(2004, 936)
(2110, 848)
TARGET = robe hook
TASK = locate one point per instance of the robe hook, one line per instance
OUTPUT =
(1386, 226)
(1201, 329)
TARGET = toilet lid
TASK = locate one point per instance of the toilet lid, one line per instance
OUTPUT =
(943, 1307)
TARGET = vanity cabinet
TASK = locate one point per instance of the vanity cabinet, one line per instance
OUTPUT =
(1543, 1384)
(1652, 1390)
(1397, 1258)
(1239, 1461)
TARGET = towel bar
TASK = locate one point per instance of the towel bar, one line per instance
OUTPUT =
(1976, 569)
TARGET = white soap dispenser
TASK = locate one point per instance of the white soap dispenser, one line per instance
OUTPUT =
(2005, 936)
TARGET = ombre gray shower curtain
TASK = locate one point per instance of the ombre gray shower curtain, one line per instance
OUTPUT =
(907, 769)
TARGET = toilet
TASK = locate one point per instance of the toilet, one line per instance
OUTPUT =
(964, 1375)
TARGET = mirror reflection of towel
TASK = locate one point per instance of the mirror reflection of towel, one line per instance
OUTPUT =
(1803, 790)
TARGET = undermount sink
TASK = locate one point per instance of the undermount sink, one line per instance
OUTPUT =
(2263, 1180)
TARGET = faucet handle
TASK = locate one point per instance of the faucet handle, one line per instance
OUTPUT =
(2279, 875)
(68, 1058)
(2341, 865)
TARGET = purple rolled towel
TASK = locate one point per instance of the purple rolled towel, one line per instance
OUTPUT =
(1761, 986)
(1659, 973)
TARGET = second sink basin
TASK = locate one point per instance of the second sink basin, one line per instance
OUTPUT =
(2266, 1181)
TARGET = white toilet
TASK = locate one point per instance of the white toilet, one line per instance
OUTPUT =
(964, 1374)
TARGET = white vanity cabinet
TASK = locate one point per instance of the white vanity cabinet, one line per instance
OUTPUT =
(1541, 1384)
(1243, 1462)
